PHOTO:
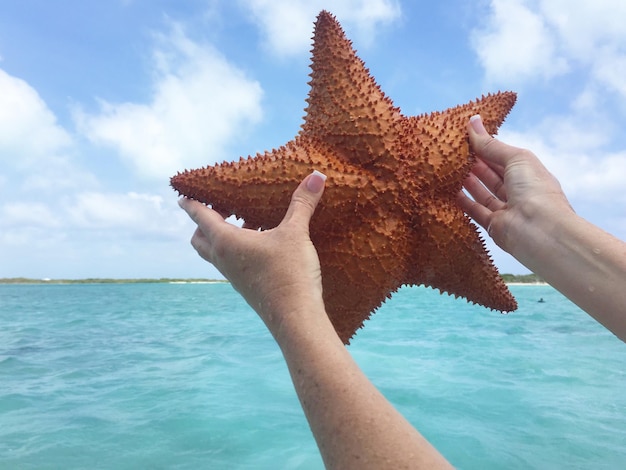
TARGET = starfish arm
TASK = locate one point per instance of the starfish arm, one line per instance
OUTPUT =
(346, 107)
(258, 189)
(241, 188)
(388, 216)
(361, 267)
(450, 256)
(440, 140)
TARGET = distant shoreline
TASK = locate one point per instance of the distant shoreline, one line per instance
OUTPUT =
(509, 279)
(527, 284)
(25, 280)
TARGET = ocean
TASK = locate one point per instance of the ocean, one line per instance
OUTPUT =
(185, 376)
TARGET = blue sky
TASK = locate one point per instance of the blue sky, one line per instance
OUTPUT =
(100, 102)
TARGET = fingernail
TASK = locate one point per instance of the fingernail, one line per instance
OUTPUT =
(316, 181)
(477, 124)
(181, 201)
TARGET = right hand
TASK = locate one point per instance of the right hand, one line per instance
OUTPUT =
(511, 190)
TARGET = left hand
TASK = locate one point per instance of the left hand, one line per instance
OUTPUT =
(277, 271)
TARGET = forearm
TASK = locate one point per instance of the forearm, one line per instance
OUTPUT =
(353, 424)
(580, 260)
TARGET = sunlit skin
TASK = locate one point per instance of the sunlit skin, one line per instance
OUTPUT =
(277, 271)
(389, 217)
(527, 214)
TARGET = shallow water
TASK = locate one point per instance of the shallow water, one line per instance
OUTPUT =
(185, 376)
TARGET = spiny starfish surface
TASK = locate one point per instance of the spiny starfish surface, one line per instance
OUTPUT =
(388, 216)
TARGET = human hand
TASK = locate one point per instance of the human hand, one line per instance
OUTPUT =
(277, 271)
(512, 191)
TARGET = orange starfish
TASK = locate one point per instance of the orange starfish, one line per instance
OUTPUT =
(388, 216)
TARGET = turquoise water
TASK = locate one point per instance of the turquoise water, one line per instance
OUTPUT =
(185, 376)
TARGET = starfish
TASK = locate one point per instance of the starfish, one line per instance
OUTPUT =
(389, 215)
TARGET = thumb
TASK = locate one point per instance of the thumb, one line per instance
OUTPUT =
(305, 198)
(486, 147)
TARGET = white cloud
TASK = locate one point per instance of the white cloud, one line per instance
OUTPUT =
(288, 24)
(28, 214)
(591, 33)
(516, 44)
(35, 150)
(26, 227)
(124, 213)
(583, 25)
(607, 174)
(29, 132)
(37, 168)
(612, 72)
(574, 45)
(199, 102)
(526, 40)
(586, 172)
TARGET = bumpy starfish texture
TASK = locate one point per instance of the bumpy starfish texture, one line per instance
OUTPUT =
(388, 216)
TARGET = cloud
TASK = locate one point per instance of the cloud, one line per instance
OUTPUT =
(288, 24)
(29, 132)
(612, 73)
(586, 173)
(556, 47)
(199, 102)
(516, 44)
(124, 214)
(55, 218)
(583, 25)
(46, 209)
(28, 214)
(35, 150)
(525, 41)
(591, 35)
(36, 166)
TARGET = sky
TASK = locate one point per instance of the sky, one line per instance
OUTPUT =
(102, 101)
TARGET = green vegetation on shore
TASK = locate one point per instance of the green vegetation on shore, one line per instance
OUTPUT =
(521, 278)
(163, 280)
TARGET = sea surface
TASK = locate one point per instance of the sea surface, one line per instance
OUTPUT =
(185, 376)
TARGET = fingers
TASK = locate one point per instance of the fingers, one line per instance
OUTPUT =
(305, 199)
(491, 150)
(490, 178)
(201, 244)
(483, 167)
(481, 194)
(209, 221)
(478, 212)
(303, 203)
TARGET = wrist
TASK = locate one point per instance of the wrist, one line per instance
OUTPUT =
(536, 230)
(290, 311)
(309, 324)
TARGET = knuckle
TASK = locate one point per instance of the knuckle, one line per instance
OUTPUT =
(300, 200)
(487, 144)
